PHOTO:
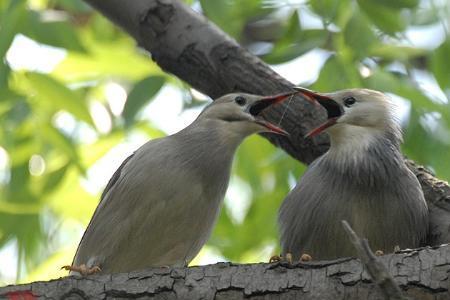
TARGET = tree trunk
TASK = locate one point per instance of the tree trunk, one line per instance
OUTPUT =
(422, 274)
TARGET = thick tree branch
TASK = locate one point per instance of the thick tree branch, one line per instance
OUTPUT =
(420, 274)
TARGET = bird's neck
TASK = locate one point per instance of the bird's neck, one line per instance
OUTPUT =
(351, 145)
(208, 142)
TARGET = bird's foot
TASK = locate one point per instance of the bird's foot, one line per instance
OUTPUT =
(83, 269)
(280, 258)
(379, 253)
(305, 257)
(275, 258)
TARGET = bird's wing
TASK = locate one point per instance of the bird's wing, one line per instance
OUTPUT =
(115, 177)
(108, 187)
(137, 208)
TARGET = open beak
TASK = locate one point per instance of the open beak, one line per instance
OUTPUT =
(256, 108)
(334, 110)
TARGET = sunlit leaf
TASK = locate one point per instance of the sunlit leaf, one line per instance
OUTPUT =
(398, 3)
(336, 75)
(394, 52)
(328, 9)
(296, 45)
(9, 22)
(54, 33)
(440, 64)
(101, 62)
(358, 34)
(53, 93)
(386, 18)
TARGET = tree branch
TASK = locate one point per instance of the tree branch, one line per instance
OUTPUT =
(422, 274)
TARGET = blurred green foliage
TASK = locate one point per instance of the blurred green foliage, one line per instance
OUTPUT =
(50, 137)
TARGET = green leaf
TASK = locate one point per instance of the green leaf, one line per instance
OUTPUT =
(54, 178)
(55, 33)
(219, 12)
(101, 62)
(294, 46)
(56, 95)
(4, 74)
(76, 6)
(140, 95)
(387, 82)
(358, 35)
(328, 9)
(398, 4)
(295, 42)
(440, 64)
(233, 15)
(9, 24)
(336, 75)
(394, 52)
(63, 143)
(386, 18)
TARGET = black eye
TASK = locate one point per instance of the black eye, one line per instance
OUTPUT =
(240, 100)
(349, 101)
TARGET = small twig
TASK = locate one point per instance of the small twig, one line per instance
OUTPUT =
(377, 271)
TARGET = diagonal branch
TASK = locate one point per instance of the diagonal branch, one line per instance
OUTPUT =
(376, 269)
(187, 45)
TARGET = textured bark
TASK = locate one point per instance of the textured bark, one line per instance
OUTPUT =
(420, 274)
(437, 195)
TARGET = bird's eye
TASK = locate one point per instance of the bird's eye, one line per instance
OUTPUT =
(349, 101)
(240, 100)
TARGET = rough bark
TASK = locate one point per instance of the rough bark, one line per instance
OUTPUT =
(420, 274)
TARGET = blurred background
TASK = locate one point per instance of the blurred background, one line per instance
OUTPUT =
(77, 97)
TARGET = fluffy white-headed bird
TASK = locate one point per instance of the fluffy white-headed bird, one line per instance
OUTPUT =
(160, 206)
(362, 179)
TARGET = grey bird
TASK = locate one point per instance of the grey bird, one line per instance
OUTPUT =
(362, 179)
(160, 206)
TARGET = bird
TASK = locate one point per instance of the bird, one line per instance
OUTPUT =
(159, 207)
(362, 179)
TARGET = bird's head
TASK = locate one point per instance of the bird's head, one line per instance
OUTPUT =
(354, 110)
(242, 113)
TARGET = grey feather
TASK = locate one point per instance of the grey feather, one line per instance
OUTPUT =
(160, 206)
(362, 179)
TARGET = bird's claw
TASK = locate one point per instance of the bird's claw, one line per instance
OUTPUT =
(379, 253)
(83, 269)
(305, 257)
(275, 258)
(280, 258)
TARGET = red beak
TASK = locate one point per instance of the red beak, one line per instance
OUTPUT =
(334, 109)
(259, 106)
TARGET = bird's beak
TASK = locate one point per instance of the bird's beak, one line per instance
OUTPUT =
(257, 107)
(334, 109)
